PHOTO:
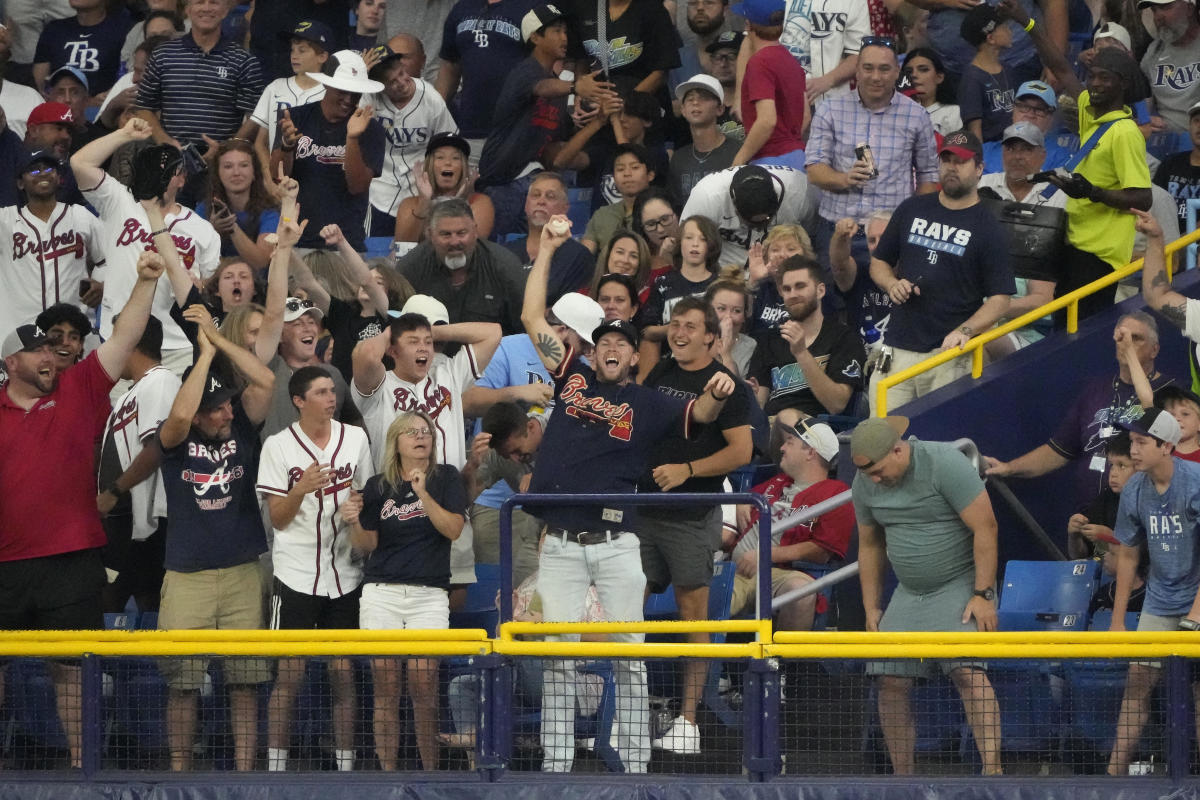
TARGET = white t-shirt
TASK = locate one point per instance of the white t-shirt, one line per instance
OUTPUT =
(312, 554)
(995, 182)
(134, 419)
(408, 131)
(946, 119)
(42, 262)
(18, 103)
(281, 93)
(820, 33)
(126, 234)
(710, 198)
(439, 395)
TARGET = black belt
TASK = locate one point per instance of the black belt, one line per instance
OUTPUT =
(584, 538)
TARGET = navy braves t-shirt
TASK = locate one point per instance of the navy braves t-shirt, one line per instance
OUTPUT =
(524, 124)
(410, 548)
(318, 165)
(599, 439)
(215, 520)
(95, 50)
(484, 39)
(957, 257)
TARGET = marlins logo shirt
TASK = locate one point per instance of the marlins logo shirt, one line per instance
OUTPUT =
(312, 554)
(215, 521)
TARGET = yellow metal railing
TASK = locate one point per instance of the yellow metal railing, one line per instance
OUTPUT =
(974, 347)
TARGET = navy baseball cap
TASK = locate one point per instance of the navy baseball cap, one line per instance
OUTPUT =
(760, 12)
(616, 326)
(1155, 422)
(311, 31)
(41, 157)
(216, 390)
(448, 139)
(728, 40)
(24, 339)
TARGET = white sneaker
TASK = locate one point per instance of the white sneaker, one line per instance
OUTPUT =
(681, 737)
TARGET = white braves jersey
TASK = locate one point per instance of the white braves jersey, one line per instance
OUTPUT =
(134, 419)
(43, 261)
(18, 102)
(439, 395)
(710, 198)
(281, 93)
(312, 554)
(408, 131)
(126, 234)
(820, 33)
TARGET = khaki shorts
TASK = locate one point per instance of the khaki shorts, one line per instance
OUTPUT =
(745, 590)
(213, 599)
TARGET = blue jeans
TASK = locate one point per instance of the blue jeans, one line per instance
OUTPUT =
(615, 569)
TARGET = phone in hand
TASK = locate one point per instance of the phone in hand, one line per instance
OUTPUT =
(85, 286)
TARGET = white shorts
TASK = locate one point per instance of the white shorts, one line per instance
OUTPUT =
(400, 606)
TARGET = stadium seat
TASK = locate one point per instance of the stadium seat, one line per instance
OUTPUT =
(1047, 595)
(378, 246)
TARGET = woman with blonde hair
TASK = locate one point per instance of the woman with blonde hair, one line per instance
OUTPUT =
(444, 173)
(407, 518)
(730, 297)
(781, 242)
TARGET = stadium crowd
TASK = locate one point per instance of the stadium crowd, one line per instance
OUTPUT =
(296, 295)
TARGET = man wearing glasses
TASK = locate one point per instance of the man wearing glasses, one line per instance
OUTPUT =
(932, 507)
(1034, 103)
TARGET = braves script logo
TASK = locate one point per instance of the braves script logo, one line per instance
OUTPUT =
(437, 399)
(597, 409)
(133, 233)
(57, 246)
(323, 153)
(340, 478)
(402, 511)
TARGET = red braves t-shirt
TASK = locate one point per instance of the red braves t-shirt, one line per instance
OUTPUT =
(774, 74)
(47, 466)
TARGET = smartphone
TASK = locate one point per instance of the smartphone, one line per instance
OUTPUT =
(863, 153)
(85, 286)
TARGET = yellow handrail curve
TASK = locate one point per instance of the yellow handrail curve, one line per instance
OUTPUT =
(975, 346)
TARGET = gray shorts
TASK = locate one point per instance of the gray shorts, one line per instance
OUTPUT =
(679, 552)
(1155, 622)
(938, 610)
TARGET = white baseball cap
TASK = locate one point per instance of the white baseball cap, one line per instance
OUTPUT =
(1111, 30)
(580, 313)
(350, 75)
(295, 308)
(706, 82)
(819, 437)
(428, 307)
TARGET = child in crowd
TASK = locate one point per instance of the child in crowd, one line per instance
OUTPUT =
(772, 95)
(985, 93)
(632, 172)
(1184, 406)
(1090, 532)
(311, 45)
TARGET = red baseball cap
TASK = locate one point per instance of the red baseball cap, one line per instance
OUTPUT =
(51, 113)
(962, 144)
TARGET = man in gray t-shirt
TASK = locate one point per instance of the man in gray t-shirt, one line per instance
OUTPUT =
(1169, 62)
(923, 507)
(1160, 508)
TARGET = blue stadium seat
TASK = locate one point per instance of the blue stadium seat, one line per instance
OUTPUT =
(378, 246)
(580, 209)
(1047, 595)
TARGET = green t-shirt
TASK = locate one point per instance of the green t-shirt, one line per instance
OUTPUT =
(928, 544)
(605, 222)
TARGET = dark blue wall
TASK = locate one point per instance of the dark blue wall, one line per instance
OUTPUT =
(1019, 401)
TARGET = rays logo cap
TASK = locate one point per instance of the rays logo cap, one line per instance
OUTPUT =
(538, 18)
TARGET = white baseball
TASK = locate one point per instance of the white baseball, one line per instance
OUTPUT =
(559, 227)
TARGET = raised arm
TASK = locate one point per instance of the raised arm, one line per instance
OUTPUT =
(287, 235)
(533, 311)
(177, 274)
(177, 424)
(360, 273)
(1156, 287)
(1127, 352)
(358, 173)
(88, 163)
(484, 338)
(841, 263)
(131, 321)
(256, 398)
(367, 361)
(1051, 55)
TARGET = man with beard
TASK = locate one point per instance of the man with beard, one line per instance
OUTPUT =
(51, 574)
(1169, 62)
(943, 260)
(810, 362)
(48, 130)
(411, 112)
(706, 20)
(334, 148)
(573, 264)
(48, 247)
(600, 440)
(476, 280)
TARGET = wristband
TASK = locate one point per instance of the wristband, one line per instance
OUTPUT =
(1029, 25)
(718, 399)
(157, 232)
(691, 472)
(1186, 624)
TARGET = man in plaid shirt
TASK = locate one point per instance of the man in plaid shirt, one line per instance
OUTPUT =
(900, 137)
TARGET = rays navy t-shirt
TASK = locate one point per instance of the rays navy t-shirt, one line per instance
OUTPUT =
(956, 257)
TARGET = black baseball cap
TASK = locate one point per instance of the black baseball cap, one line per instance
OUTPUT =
(311, 31)
(24, 339)
(727, 40)
(616, 326)
(753, 191)
(978, 23)
(216, 390)
(447, 139)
